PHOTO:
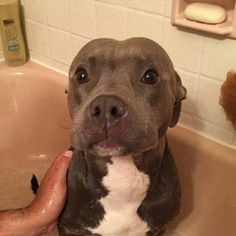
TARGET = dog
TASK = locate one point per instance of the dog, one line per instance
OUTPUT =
(122, 179)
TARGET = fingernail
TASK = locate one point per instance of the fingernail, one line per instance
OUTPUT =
(68, 153)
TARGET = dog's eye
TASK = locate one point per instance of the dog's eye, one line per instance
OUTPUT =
(150, 77)
(81, 76)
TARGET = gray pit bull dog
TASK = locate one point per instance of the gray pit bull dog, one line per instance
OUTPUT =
(122, 180)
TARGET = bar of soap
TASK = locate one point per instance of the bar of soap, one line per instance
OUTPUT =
(205, 13)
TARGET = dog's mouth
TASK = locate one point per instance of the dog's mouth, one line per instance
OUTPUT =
(107, 148)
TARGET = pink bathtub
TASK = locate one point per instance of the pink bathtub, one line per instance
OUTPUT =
(35, 127)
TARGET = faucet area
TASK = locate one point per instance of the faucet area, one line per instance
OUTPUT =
(35, 125)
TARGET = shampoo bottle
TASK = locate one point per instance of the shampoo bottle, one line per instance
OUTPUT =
(11, 33)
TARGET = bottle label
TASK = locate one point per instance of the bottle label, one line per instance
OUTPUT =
(11, 33)
(13, 45)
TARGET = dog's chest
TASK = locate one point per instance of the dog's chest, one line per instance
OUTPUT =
(127, 188)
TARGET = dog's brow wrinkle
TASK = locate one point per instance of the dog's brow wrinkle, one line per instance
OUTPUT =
(137, 59)
(92, 60)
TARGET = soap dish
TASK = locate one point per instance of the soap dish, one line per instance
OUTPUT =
(227, 28)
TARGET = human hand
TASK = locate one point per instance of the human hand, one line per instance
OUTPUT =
(41, 215)
(51, 195)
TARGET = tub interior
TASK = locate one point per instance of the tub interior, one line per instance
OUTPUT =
(35, 127)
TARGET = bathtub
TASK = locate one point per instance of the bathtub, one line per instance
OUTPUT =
(35, 127)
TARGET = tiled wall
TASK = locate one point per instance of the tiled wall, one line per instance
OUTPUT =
(57, 29)
(1, 53)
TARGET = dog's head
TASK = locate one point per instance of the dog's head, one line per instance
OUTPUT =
(122, 96)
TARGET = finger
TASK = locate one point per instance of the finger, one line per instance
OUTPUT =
(64, 156)
(59, 167)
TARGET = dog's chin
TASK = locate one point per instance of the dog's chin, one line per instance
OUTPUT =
(107, 148)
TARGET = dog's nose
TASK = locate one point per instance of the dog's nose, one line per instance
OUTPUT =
(107, 110)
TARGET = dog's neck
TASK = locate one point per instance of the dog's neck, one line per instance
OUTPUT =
(143, 160)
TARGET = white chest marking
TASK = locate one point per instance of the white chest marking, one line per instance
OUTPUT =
(127, 188)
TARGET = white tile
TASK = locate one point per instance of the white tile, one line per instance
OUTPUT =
(37, 36)
(1, 52)
(184, 48)
(153, 6)
(60, 43)
(189, 81)
(168, 8)
(58, 14)
(218, 58)
(206, 128)
(39, 58)
(35, 10)
(1, 55)
(77, 43)
(144, 25)
(49, 63)
(105, 15)
(207, 103)
(115, 2)
(214, 131)
(234, 141)
(186, 119)
(83, 18)
(60, 67)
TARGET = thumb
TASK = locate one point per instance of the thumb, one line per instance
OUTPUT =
(59, 167)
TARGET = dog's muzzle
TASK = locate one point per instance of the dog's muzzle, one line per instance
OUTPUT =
(107, 110)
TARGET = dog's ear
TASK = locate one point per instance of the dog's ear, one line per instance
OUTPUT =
(180, 94)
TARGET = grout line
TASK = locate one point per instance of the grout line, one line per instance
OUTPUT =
(126, 22)
(58, 29)
(232, 146)
(165, 11)
(128, 8)
(51, 58)
(206, 120)
(163, 25)
(49, 43)
(185, 71)
(59, 62)
(95, 16)
(209, 78)
(111, 4)
(219, 82)
(202, 53)
(49, 66)
(168, 18)
(35, 22)
(212, 77)
(70, 29)
(199, 70)
(145, 12)
(83, 37)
